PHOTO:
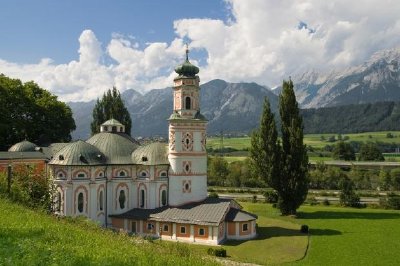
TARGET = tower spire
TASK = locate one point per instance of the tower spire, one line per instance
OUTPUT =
(187, 52)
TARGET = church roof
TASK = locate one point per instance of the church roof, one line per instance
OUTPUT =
(22, 155)
(23, 146)
(236, 215)
(112, 122)
(152, 154)
(78, 153)
(117, 147)
(211, 211)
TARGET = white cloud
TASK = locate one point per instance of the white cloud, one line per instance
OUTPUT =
(261, 41)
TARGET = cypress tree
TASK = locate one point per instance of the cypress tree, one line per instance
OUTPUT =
(294, 171)
(110, 106)
(265, 148)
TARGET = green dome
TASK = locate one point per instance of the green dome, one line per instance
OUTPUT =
(78, 153)
(117, 147)
(187, 69)
(153, 154)
(23, 146)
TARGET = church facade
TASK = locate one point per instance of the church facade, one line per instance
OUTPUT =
(155, 189)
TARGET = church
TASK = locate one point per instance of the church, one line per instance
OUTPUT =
(156, 189)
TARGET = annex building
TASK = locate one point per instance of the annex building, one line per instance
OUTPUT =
(155, 189)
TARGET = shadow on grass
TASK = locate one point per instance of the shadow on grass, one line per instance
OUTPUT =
(347, 215)
(275, 231)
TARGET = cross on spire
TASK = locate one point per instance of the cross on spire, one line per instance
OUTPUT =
(187, 52)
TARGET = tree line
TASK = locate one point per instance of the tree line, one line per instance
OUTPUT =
(29, 112)
(380, 116)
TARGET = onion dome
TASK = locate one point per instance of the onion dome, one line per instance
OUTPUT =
(23, 146)
(153, 154)
(187, 69)
(117, 147)
(78, 153)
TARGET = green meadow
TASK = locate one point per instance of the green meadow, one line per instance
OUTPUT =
(316, 141)
(338, 236)
(30, 237)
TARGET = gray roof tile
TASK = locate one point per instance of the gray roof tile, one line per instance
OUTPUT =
(211, 211)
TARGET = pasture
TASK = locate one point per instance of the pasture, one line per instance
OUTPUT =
(338, 236)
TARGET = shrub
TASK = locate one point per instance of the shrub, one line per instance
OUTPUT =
(271, 196)
(254, 199)
(326, 202)
(304, 229)
(392, 201)
(213, 195)
(313, 201)
(218, 252)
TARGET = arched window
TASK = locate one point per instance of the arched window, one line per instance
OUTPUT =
(122, 199)
(122, 174)
(188, 103)
(143, 174)
(163, 174)
(114, 129)
(58, 201)
(81, 175)
(164, 198)
(60, 175)
(142, 198)
(101, 201)
(80, 202)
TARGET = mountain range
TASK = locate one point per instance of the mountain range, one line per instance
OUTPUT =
(236, 107)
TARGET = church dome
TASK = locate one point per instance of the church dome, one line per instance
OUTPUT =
(187, 69)
(78, 153)
(153, 154)
(117, 147)
(23, 146)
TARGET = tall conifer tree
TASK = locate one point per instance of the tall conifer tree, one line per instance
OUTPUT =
(110, 106)
(265, 148)
(294, 172)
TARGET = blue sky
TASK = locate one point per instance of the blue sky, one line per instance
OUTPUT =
(79, 49)
(50, 28)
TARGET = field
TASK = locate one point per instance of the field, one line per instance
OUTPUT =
(338, 236)
(32, 238)
(344, 236)
(314, 140)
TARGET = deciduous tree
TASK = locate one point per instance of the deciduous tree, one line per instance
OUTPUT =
(30, 112)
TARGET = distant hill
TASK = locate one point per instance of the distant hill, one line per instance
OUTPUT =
(231, 107)
(353, 118)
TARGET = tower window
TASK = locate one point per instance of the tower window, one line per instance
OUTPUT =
(164, 198)
(142, 198)
(188, 103)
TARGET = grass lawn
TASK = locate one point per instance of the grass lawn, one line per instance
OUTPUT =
(313, 140)
(344, 236)
(31, 238)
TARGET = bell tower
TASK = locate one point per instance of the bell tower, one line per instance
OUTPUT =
(187, 139)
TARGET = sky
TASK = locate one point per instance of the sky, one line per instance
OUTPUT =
(78, 49)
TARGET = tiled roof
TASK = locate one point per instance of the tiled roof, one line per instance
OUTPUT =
(117, 147)
(78, 153)
(236, 215)
(23, 146)
(152, 154)
(112, 122)
(21, 155)
(211, 211)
